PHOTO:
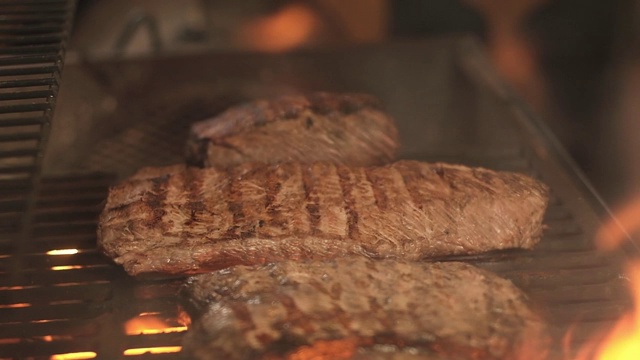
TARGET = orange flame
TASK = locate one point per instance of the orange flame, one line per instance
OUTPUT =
(145, 324)
(150, 324)
(288, 28)
(623, 343)
(614, 232)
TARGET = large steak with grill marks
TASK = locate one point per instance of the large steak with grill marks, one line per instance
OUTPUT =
(357, 308)
(350, 129)
(181, 220)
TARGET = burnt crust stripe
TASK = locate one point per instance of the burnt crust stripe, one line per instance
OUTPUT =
(346, 185)
(155, 199)
(193, 186)
(125, 207)
(272, 185)
(313, 202)
(379, 195)
(234, 205)
(408, 181)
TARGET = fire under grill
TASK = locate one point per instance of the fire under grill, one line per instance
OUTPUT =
(59, 295)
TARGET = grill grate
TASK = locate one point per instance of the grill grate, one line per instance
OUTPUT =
(449, 108)
(66, 297)
(32, 40)
(80, 303)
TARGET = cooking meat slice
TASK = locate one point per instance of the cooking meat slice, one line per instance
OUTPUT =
(184, 220)
(349, 129)
(358, 308)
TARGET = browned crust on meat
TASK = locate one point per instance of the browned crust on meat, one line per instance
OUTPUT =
(347, 307)
(257, 214)
(257, 113)
(345, 128)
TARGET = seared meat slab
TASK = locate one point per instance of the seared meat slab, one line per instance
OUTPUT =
(349, 129)
(358, 308)
(181, 220)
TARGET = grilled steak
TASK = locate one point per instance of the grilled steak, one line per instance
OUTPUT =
(358, 308)
(181, 220)
(349, 129)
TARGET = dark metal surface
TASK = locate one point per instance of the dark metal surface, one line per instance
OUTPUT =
(32, 40)
(119, 116)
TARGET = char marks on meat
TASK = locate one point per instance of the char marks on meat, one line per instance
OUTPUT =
(350, 129)
(181, 220)
(358, 308)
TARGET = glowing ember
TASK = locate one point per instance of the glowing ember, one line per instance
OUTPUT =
(153, 350)
(74, 356)
(15, 306)
(149, 313)
(9, 341)
(66, 267)
(183, 318)
(150, 325)
(50, 338)
(4, 288)
(164, 330)
(63, 252)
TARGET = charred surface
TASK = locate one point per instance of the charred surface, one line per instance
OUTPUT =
(383, 309)
(182, 220)
(349, 129)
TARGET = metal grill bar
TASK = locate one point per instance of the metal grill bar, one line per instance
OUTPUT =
(26, 83)
(22, 121)
(78, 302)
(28, 49)
(34, 2)
(28, 70)
(32, 35)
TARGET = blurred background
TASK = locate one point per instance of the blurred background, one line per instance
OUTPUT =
(574, 62)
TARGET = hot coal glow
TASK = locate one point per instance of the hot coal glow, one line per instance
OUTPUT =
(63, 252)
(147, 324)
(66, 267)
(153, 350)
(74, 356)
(150, 324)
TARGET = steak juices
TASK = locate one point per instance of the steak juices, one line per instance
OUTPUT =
(297, 205)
